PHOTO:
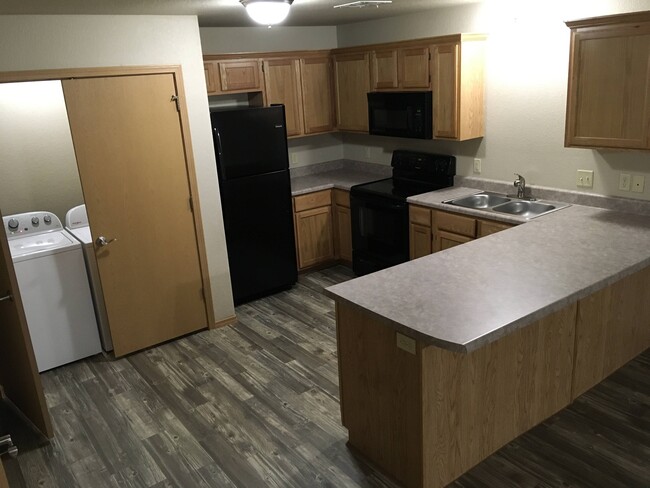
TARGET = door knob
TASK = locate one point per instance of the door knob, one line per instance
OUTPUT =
(9, 297)
(102, 241)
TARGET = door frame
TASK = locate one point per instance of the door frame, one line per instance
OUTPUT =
(176, 72)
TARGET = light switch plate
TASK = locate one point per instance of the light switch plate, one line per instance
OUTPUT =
(624, 182)
(405, 343)
(585, 178)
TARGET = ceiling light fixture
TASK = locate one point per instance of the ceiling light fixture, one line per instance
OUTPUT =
(363, 3)
(267, 12)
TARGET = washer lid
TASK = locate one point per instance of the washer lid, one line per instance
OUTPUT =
(82, 234)
(38, 245)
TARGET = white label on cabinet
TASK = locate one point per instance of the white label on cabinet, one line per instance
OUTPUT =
(405, 343)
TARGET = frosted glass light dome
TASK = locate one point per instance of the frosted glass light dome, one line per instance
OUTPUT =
(267, 12)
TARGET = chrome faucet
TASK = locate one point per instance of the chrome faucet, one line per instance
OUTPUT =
(520, 183)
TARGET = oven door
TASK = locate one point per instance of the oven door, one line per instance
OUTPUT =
(379, 233)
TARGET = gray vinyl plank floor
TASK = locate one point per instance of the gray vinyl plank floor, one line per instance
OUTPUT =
(256, 405)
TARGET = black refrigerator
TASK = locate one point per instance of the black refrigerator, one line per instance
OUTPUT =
(253, 169)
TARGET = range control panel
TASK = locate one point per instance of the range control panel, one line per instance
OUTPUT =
(31, 223)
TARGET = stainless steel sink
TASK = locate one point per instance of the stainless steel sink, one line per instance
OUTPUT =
(525, 209)
(480, 200)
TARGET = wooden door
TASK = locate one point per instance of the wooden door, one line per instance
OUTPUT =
(3, 477)
(489, 227)
(210, 72)
(317, 99)
(343, 222)
(608, 101)
(18, 372)
(419, 240)
(446, 240)
(352, 77)
(128, 141)
(445, 91)
(282, 83)
(384, 70)
(414, 67)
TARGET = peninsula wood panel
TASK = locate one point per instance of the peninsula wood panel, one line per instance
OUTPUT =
(352, 78)
(380, 394)
(613, 326)
(283, 86)
(3, 477)
(474, 403)
(608, 101)
(317, 94)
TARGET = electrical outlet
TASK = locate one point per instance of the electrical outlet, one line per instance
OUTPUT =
(638, 181)
(367, 152)
(585, 178)
(624, 182)
(293, 158)
(477, 166)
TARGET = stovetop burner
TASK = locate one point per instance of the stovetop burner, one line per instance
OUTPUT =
(413, 174)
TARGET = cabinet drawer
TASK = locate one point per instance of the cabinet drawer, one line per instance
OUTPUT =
(419, 215)
(458, 224)
(313, 200)
(342, 197)
(488, 227)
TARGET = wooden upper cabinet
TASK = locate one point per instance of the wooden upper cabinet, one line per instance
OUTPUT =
(317, 99)
(283, 86)
(210, 71)
(458, 89)
(352, 79)
(240, 75)
(608, 101)
(414, 68)
(384, 69)
(400, 69)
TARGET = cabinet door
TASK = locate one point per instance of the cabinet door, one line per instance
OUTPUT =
(420, 243)
(414, 67)
(457, 224)
(445, 91)
(446, 240)
(608, 88)
(282, 84)
(317, 100)
(384, 69)
(240, 75)
(343, 240)
(210, 71)
(314, 237)
(352, 77)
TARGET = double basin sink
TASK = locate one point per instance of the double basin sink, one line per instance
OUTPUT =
(496, 202)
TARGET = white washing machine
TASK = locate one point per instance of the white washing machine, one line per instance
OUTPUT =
(76, 222)
(52, 280)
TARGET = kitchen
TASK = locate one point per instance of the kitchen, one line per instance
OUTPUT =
(516, 123)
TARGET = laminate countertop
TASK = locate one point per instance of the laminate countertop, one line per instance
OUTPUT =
(342, 178)
(470, 295)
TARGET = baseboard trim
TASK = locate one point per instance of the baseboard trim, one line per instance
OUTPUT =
(224, 322)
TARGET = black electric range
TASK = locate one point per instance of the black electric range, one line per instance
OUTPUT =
(380, 233)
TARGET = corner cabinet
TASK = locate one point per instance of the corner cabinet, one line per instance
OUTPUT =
(608, 104)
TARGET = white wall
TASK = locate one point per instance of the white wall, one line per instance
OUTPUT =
(39, 42)
(214, 40)
(37, 160)
(526, 81)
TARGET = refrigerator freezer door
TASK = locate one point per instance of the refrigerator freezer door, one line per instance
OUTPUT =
(258, 221)
(250, 141)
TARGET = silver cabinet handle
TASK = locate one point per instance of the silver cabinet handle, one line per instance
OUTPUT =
(8, 296)
(102, 241)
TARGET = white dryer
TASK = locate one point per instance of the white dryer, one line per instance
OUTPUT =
(76, 222)
(53, 284)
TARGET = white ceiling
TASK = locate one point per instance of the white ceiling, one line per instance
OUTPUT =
(225, 13)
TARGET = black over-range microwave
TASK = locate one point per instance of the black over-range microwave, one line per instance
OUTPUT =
(400, 114)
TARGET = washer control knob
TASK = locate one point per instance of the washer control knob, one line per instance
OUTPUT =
(35, 220)
(47, 219)
(12, 224)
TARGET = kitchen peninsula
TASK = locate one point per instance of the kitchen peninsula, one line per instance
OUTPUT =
(445, 359)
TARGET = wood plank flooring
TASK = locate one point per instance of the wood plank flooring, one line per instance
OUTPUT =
(256, 405)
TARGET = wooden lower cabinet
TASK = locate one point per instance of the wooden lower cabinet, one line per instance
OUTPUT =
(342, 226)
(428, 415)
(323, 228)
(437, 230)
